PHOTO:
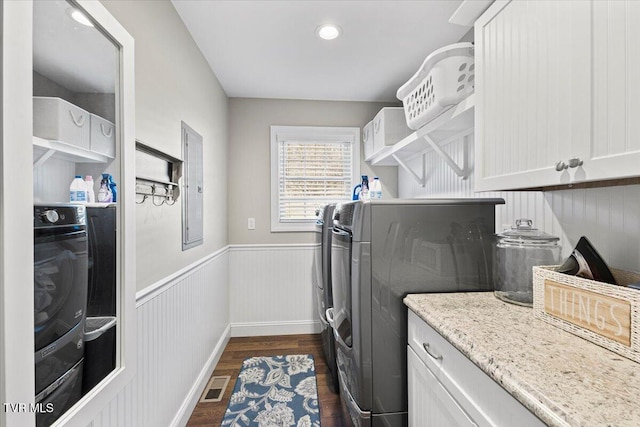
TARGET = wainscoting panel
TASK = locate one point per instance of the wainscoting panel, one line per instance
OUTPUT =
(271, 290)
(183, 327)
(51, 180)
(608, 216)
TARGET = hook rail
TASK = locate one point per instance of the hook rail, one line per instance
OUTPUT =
(164, 192)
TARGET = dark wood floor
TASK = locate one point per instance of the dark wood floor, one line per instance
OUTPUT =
(238, 349)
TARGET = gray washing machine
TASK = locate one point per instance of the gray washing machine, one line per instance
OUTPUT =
(381, 251)
(322, 287)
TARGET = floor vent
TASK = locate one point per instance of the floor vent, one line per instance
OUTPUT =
(215, 389)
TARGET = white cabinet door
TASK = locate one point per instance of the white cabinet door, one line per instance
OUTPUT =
(533, 91)
(557, 94)
(615, 151)
(479, 397)
(429, 402)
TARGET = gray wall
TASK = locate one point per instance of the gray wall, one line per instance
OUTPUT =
(174, 83)
(249, 158)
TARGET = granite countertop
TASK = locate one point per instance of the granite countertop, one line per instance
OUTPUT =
(563, 379)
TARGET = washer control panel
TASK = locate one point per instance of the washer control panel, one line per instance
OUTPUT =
(62, 215)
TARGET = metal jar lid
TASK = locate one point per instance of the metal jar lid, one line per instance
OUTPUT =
(525, 234)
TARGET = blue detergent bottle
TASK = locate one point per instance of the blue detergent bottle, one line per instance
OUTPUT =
(112, 186)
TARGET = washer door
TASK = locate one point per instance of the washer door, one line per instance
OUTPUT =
(60, 283)
(341, 285)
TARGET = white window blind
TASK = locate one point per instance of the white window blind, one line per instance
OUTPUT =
(312, 174)
(313, 167)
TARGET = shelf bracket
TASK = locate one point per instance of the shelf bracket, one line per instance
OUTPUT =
(419, 179)
(460, 171)
(43, 158)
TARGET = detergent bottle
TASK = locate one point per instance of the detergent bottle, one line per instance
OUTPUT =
(104, 194)
(364, 188)
(112, 186)
(375, 192)
(78, 190)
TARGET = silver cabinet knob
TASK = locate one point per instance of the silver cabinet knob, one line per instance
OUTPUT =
(574, 162)
(560, 166)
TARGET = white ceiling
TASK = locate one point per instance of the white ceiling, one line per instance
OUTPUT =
(268, 49)
(77, 57)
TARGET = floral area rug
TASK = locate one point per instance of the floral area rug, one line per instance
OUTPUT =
(275, 391)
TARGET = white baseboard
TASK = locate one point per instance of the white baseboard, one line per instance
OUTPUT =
(251, 329)
(191, 400)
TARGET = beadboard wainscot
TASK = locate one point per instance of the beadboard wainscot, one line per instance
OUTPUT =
(271, 291)
(183, 328)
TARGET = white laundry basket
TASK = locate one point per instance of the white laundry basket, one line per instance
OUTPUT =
(445, 78)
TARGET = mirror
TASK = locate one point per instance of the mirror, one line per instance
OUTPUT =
(76, 134)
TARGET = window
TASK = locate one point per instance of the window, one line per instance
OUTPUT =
(310, 167)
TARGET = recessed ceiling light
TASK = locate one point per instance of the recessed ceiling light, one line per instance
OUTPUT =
(79, 17)
(328, 31)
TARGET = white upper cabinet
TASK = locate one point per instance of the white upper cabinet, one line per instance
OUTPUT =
(555, 93)
(615, 150)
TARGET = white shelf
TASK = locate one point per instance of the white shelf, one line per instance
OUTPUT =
(454, 123)
(44, 149)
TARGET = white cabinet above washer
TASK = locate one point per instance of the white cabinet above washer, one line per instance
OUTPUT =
(556, 93)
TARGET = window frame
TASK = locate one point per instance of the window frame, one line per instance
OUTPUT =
(308, 133)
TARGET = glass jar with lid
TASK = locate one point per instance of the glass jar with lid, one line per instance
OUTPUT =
(518, 249)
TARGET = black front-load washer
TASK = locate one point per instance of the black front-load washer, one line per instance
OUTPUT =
(60, 297)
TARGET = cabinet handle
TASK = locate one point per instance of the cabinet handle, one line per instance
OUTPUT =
(366, 135)
(433, 356)
(560, 166)
(574, 162)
